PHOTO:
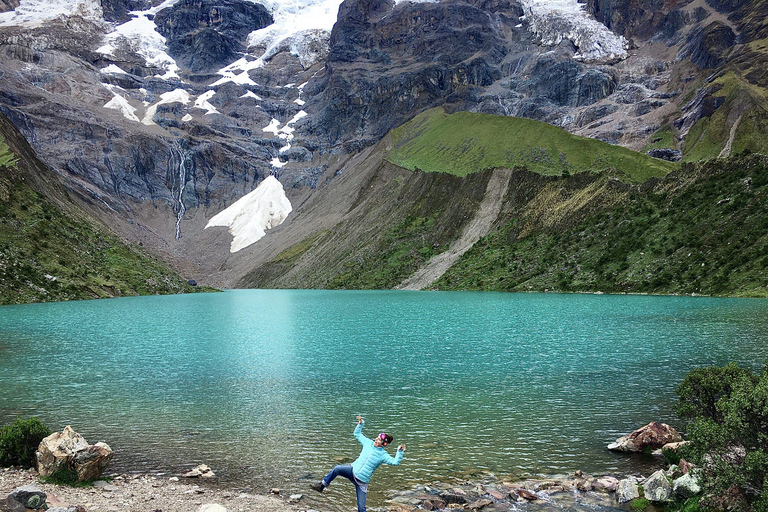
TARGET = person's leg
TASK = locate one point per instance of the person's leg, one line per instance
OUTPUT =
(345, 471)
(361, 497)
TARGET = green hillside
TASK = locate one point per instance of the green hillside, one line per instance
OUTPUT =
(464, 142)
(50, 251)
(702, 229)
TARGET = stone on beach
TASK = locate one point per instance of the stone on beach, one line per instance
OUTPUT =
(652, 436)
(201, 471)
(657, 487)
(605, 484)
(70, 451)
(627, 490)
(26, 497)
(687, 485)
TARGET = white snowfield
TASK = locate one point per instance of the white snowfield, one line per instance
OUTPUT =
(250, 216)
(552, 21)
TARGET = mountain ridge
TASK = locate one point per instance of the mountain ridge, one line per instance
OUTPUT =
(154, 145)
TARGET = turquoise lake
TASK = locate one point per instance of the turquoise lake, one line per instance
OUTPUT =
(264, 385)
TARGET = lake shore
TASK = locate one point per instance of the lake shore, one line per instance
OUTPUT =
(145, 493)
(163, 493)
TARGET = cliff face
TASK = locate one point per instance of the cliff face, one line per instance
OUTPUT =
(158, 119)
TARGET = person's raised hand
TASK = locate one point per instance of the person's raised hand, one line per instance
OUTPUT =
(359, 419)
(401, 447)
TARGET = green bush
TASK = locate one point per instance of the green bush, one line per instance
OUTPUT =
(19, 441)
(727, 413)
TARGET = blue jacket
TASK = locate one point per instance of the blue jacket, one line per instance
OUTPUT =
(371, 457)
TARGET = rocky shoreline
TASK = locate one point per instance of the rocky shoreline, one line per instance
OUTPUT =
(198, 489)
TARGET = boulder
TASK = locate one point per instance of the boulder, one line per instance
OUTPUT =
(686, 486)
(652, 436)
(657, 487)
(605, 484)
(627, 490)
(70, 451)
(26, 497)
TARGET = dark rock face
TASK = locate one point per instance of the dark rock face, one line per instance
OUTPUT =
(628, 18)
(709, 47)
(382, 70)
(119, 10)
(205, 35)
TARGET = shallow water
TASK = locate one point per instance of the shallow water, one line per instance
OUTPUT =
(264, 385)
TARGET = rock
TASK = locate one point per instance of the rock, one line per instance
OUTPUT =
(26, 497)
(274, 490)
(204, 35)
(295, 497)
(211, 507)
(498, 495)
(605, 484)
(201, 471)
(685, 466)
(455, 496)
(652, 436)
(686, 486)
(478, 504)
(69, 450)
(433, 504)
(671, 155)
(627, 490)
(526, 494)
(657, 487)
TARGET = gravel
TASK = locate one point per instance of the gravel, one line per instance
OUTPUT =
(145, 493)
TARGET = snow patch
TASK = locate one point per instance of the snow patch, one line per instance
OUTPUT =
(113, 69)
(202, 102)
(251, 94)
(250, 216)
(34, 12)
(552, 21)
(140, 34)
(174, 96)
(119, 103)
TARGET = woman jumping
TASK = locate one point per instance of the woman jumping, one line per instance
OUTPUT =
(371, 457)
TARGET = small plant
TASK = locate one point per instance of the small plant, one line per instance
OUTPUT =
(19, 441)
(62, 476)
(639, 503)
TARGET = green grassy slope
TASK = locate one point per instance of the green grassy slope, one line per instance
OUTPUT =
(464, 142)
(50, 252)
(702, 229)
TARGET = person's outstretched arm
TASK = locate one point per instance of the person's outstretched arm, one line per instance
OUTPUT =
(394, 461)
(359, 430)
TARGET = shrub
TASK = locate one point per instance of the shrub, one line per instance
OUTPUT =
(727, 413)
(19, 441)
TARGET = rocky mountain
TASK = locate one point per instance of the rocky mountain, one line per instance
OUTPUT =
(52, 250)
(159, 115)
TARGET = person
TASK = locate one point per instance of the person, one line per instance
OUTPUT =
(371, 457)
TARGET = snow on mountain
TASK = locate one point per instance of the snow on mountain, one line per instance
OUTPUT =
(35, 12)
(175, 96)
(140, 34)
(249, 217)
(119, 103)
(555, 20)
(202, 102)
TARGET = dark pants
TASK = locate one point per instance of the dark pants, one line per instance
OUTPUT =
(346, 472)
